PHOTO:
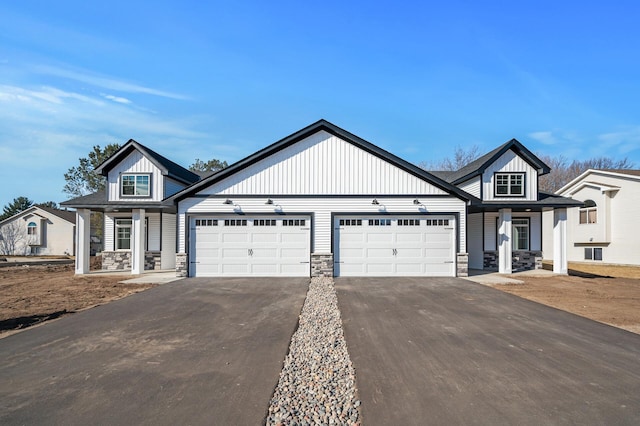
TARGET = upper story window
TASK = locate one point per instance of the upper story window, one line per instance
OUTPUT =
(589, 213)
(509, 184)
(32, 228)
(135, 185)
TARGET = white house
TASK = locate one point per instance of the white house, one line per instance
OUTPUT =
(38, 231)
(323, 201)
(139, 226)
(604, 229)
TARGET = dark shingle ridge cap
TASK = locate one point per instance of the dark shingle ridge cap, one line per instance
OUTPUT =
(331, 128)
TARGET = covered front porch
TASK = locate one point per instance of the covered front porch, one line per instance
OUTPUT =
(136, 236)
(508, 237)
(134, 240)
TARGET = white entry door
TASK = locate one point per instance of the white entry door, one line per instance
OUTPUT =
(394, 246)
(250, 246)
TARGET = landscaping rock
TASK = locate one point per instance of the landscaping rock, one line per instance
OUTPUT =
(317, 382)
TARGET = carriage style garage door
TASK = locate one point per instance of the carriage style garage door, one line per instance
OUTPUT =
(250, 246)
(394, 246)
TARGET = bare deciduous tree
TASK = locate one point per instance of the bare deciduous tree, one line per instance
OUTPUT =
(12, 238)
(562, 172)
(461, 157)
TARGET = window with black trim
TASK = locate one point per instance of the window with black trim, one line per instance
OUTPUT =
(264, 222)
(589, 213)
(593, 253)
(135, 185)
(235, 222)
(350, 222)
(520, 233)
(294, 222)
(379, 222)
(509, 184)
(123, 234)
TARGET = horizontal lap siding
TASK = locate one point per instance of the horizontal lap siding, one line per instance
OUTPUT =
(535, 229)
(321, 209)
(472, 186)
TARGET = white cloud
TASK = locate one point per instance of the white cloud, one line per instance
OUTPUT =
(546, 138)
(104, 82)
(117, 99)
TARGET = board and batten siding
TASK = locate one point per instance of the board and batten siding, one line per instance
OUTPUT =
(474, 241)
(535, 229)
(510, 162)
(472, 186)
(135, 163)
(321, 210)
(322, 164)
(168, 253)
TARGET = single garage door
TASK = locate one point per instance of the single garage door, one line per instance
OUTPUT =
(394, 246)
(250, 246)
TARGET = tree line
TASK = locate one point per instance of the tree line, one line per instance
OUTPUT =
(562, 172)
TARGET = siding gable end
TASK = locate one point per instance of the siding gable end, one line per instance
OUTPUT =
(322, 164)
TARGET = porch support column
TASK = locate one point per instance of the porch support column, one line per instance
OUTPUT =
(504, 241)
(137, 241)
(560, 241)
(83, 228)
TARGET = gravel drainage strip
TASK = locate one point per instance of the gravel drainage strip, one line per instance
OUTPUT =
(317, 382)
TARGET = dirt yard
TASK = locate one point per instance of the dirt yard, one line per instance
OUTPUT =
(33, 294)
(613, 301)
(36, 293)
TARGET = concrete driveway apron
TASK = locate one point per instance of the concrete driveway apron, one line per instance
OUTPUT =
(196, 351)
(446, 351)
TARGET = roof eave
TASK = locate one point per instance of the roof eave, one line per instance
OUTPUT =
(306, 132)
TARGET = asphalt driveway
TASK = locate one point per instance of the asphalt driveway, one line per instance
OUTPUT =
(196, 351)
(452, 352)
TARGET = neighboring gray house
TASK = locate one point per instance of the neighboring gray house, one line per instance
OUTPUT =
(322, 201)
(38, 231)
(604, 228)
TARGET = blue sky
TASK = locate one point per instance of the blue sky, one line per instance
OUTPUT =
(224, 79)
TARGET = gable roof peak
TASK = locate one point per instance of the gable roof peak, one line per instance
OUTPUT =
(167, 166)
(304, 133)
(479, 165)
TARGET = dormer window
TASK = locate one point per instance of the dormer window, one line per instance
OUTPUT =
(135, 185)
(509, 184)
(589, 213)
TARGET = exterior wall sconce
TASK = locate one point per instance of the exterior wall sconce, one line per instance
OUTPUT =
(416, 202)
(228, 201)
(269, 201)
(375, 202)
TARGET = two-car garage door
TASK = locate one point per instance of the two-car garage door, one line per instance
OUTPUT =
(250, 246)
(394, 246)
(377, 245)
